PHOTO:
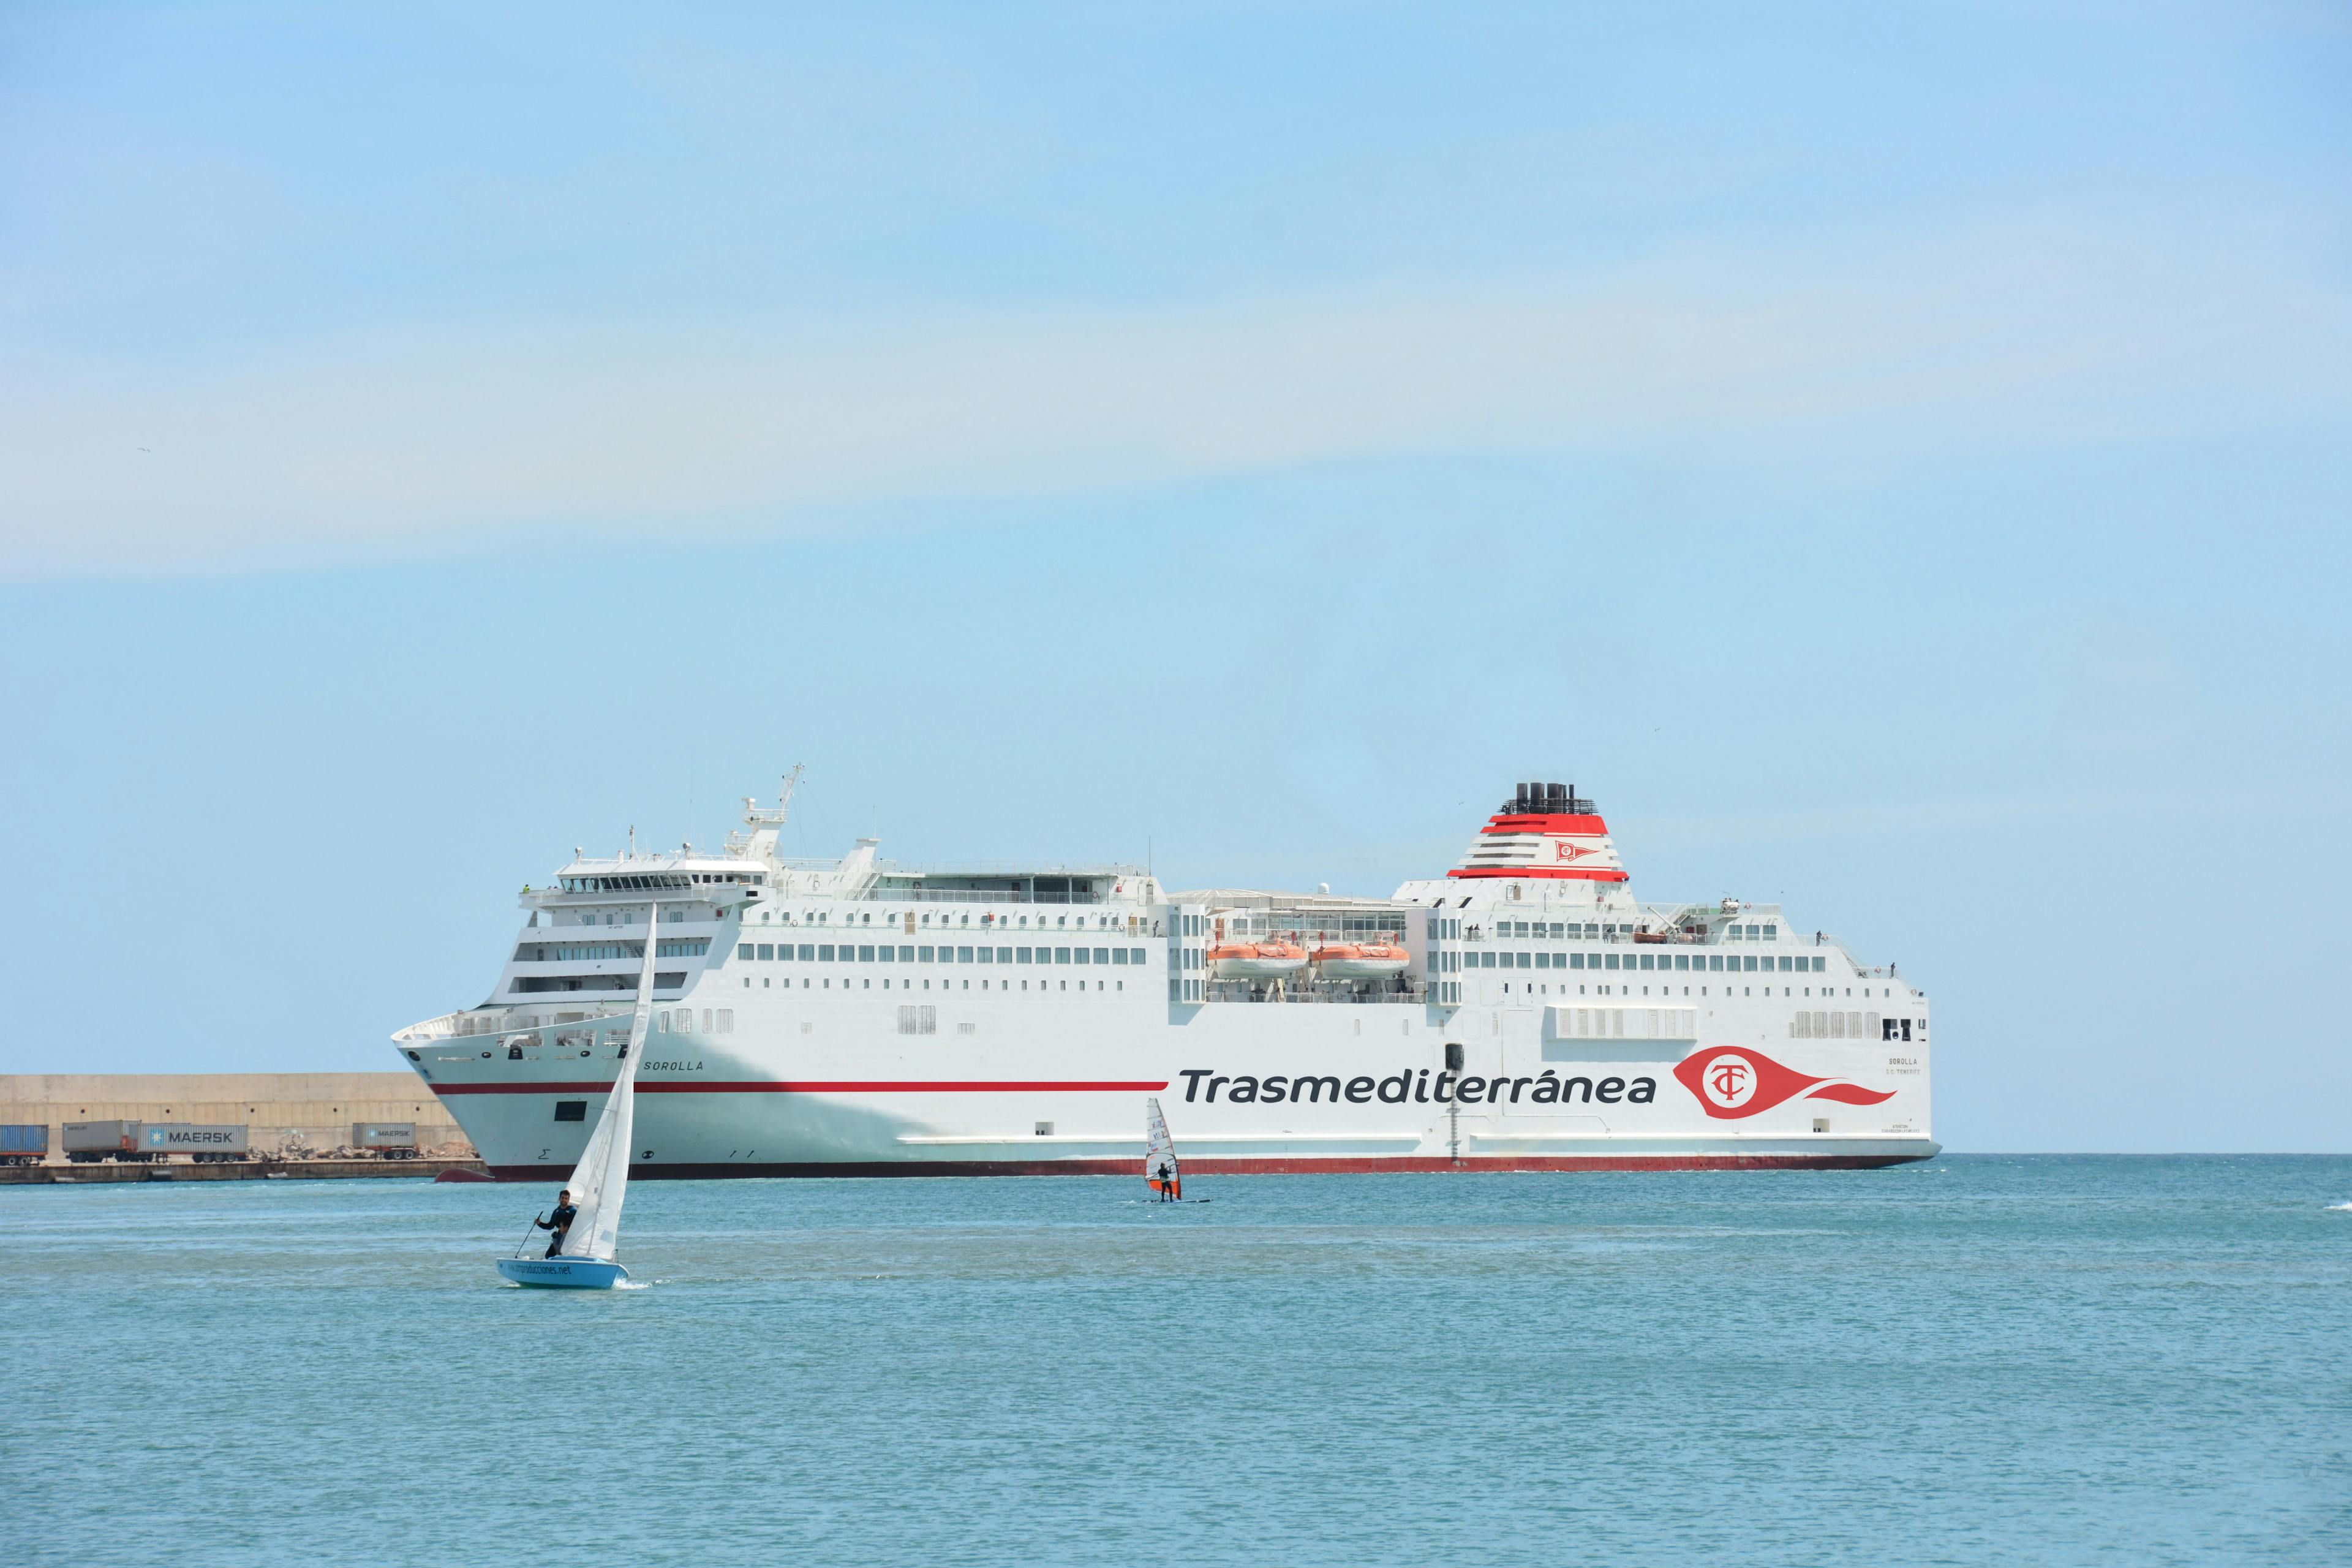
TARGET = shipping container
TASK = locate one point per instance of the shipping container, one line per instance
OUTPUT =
(87, 1142)
(23, 1143)
(392, 1139)
(206, 1144)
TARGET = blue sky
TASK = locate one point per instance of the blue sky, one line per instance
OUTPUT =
(1894, 460)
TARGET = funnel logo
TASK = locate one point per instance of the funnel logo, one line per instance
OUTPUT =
(1734, 1082)
(1561, 849)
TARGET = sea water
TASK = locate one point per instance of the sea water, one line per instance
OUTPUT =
(1976, 1361)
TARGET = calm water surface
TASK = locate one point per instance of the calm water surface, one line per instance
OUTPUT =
(1980, 1361)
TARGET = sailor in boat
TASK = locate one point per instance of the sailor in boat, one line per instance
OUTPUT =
(559, 1222)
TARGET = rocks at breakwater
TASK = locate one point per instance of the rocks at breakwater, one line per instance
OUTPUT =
(229, 1171)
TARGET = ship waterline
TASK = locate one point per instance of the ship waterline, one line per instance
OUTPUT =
(853, 1017)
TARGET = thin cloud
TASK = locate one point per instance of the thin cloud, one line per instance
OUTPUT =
(2023, 334)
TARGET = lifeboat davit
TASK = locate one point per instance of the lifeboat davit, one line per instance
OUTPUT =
(1374, 960)
(1269, 958)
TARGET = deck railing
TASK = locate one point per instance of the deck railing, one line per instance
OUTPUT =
(1326, 992)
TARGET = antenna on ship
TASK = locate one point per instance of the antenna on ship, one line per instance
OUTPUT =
(758, 815)
(753, 814)
(763, 822)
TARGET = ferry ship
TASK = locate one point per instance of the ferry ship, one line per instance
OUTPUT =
(1522, 1011)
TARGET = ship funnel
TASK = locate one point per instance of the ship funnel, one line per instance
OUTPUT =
(1565, 839)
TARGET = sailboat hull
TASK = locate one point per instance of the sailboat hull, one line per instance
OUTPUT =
(563, 1273)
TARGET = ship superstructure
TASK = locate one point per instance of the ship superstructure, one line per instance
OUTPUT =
(1522, 1011)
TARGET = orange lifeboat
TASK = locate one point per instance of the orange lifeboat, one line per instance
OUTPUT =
(1266, 958)
(1374, 960)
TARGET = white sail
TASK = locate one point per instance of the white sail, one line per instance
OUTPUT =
(1159, 1152)
(600, 1181)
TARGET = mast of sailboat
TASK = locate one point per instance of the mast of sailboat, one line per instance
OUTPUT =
(600, 1181)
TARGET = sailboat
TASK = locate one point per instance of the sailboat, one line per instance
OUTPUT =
(1159, 1172)
(601, 1180)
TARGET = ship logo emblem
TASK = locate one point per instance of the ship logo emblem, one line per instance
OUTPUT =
(1561, 849)
(1728, 1081)
(1735, 1081)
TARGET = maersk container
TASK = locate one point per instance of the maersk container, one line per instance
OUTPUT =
(88, 1141)
(392, 1139)
(24, 1143)
(206, 1144)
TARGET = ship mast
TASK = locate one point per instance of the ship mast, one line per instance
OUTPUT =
(764, 821)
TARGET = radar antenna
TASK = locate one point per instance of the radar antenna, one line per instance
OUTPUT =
(759, 816)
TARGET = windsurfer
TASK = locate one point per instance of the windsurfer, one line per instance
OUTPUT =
(559, 1222)
(1167, 1181)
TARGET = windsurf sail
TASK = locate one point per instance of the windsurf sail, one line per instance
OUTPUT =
(1160, 1171)
(600, 1181)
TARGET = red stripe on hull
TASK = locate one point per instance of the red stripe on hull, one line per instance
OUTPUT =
(1195, 1165)
(806, 1088)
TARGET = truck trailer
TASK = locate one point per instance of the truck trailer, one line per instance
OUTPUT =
(87, 1142)
(206, 1144)
(385, 1139)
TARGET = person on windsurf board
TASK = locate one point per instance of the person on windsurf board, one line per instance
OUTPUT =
(1160, 1172)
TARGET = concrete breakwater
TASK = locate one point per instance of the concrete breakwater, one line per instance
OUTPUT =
(296, 1117)
(228, 1171)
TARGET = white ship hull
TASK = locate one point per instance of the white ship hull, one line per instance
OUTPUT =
(814, 1083)
(765, 1062)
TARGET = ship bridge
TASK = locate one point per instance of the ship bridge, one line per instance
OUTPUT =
(660, 880)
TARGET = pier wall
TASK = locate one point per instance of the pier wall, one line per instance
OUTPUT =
(282, 1111)
(235, 1171)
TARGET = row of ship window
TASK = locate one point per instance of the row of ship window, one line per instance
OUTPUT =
(862, 952)
(854, 916)
(905, 984)
(656, 882)
(587, 952)
(1710, 963)
(1769, 931)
